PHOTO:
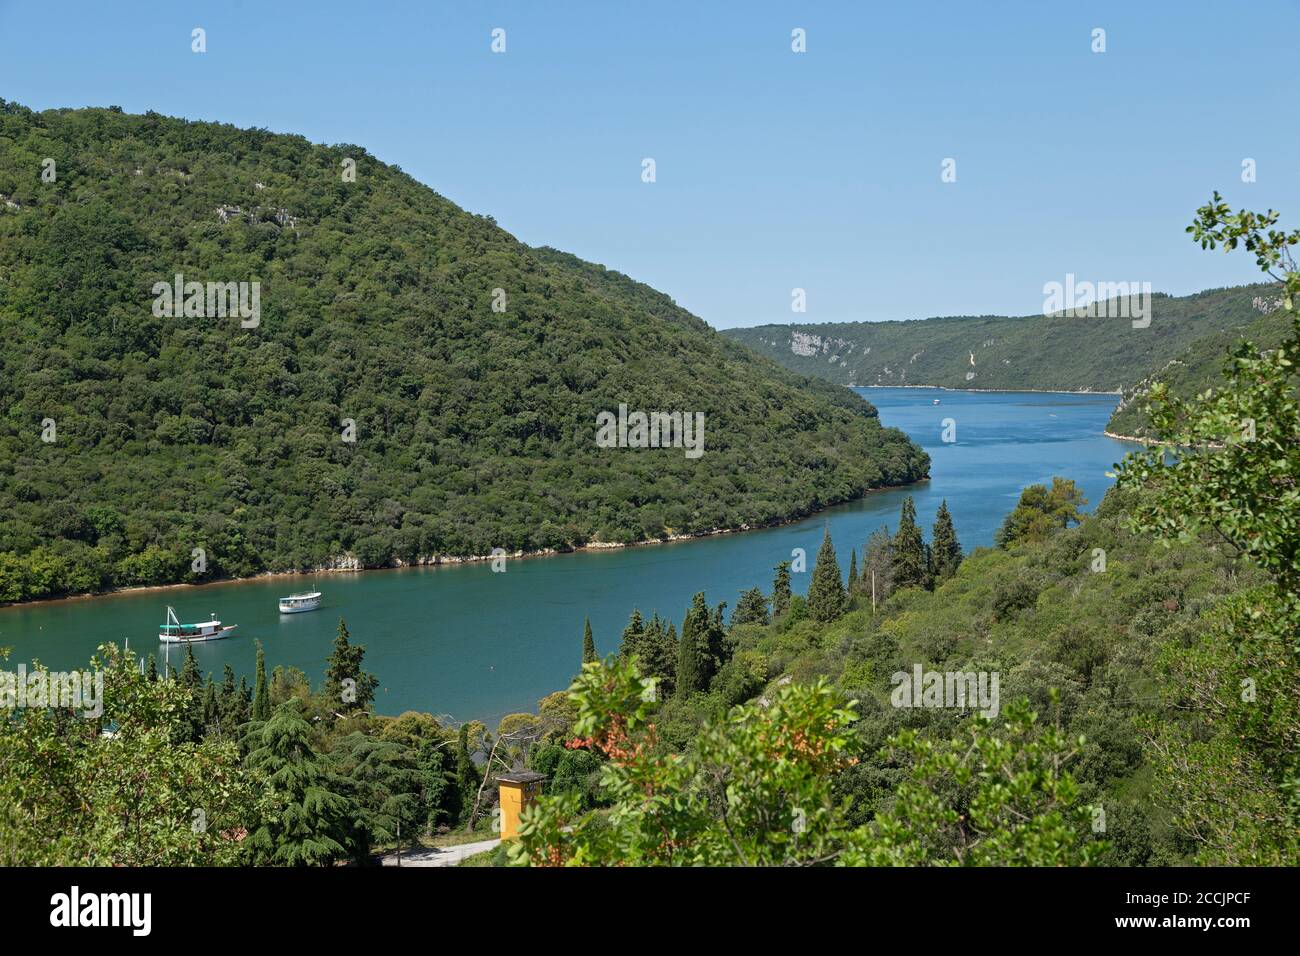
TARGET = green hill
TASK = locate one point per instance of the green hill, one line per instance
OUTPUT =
(474, 428)
(1001, 352)
(1197, 367)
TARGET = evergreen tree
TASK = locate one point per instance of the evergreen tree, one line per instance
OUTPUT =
(190, 675)
(944, 548)
(228, 702)
(347, 686)
(660, 656)
(691, 666)
(654, 648)
(853, 570)
(210, 713)
(910, 567)
(633, 636)
(313, 819)
(877, 577)
(151, 669)
(751, 609)
(467, 780)
(826, 597)
(383, 781)
(261, 693)
(781, 589)
(588, 643)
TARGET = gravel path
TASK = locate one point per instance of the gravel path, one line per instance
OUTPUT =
(440, 856)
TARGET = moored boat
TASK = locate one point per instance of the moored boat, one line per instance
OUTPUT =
(174, 632)
(297, 603)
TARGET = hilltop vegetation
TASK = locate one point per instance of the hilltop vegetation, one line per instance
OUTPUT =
(1027, 352)
(1195, 369)
(130, 439)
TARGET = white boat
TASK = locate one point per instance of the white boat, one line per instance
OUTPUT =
(297, 603)
(936, 401)
(174, 632)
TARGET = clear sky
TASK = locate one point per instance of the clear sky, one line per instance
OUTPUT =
(775, 170)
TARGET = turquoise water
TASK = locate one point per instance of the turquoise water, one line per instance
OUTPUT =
(464, 641)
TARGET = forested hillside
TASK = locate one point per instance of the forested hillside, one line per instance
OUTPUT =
(1197, 368)
(1027, 352)
(418, 382)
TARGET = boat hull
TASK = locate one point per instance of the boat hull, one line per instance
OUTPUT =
(197, 638)
(298, 610)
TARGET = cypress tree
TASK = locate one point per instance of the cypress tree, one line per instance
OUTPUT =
(826, 597)
(853, 570)
(261, 693)
(151, 669)
(691, 665)
(467, 780)
(228, 702)
(588, 643)
(945, 548)
(910, 568)
(781, 589)
(668, 650)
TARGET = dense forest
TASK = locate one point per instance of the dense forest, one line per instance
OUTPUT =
(1004, 352)
(419, 383)
(1196, 368)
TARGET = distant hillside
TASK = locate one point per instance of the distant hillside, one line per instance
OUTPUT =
(1028, 352)
(131, 436)
(1198, 367)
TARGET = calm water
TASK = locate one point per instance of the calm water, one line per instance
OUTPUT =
(464, 641)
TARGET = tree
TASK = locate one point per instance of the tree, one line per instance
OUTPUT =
(261, 693)
(1231, 779)
(751, 608)
(1041, 512)
(654, 647)
(632, 636)
(347, 687)
(588, 643)
(992, 796)
(211, 712)
(383, 781)
(945, 550)
(313, 819)
(910, 565)
(853, 570)
(151, 670)
(71, 795)
(826, 597)
(781, 589)
(467, 777)
(877, 577)
(692, 669)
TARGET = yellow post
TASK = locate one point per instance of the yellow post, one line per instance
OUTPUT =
(516, 790)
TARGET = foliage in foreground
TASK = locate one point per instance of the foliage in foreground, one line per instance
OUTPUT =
(756, 789)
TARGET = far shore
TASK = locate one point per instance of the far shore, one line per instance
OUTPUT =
(1045, 391)
(346, 564)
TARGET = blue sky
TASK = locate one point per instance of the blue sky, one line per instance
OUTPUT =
(775, 170)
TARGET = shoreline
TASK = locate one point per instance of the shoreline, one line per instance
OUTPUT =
(346, 564)
(1149, 442)
(1041, 391)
